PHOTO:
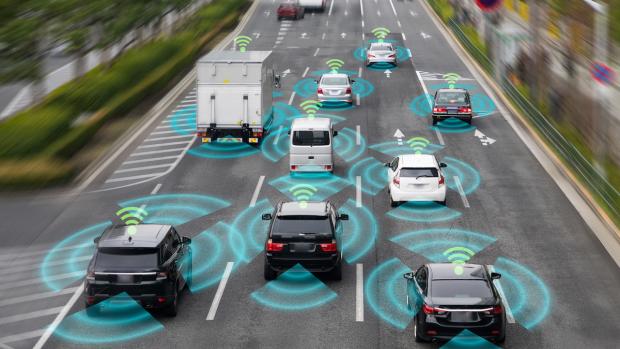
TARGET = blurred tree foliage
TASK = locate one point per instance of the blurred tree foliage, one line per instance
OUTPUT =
(576, 9)
(30, 28)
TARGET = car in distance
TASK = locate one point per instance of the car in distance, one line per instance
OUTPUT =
(416, 177)
(290, 9)
(311, 147)
(452, 103)
(450, 298)
(335, 87)
(308, 233)
(315, 5)
(381, 52)
(151, 263)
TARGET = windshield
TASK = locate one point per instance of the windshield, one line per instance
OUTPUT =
(335, 81)
(416, 172)
(461, 289)
(381, 47)
(451, 98)
(126, 258)
(308, 138)
(294, 225)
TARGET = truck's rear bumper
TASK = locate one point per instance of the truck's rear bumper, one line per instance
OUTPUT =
(245, 134)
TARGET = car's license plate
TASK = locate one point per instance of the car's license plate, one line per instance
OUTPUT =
(125, 279)
(452, 111)
(229, 140)
(334, 93)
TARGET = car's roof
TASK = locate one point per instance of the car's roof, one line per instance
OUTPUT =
(310, 208)
(335, 75)
(142, 235)
(452, 90)
(446, 271)
(384, 44)
(307, 123)
(418, 160)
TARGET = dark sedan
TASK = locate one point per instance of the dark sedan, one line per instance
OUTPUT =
(451, 298)
(452, 103)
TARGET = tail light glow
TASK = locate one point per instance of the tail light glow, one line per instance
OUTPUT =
(293, 167)
(442, 180)
(349, 90)
(319, 91)
(162, 275)
(427, 309)
(161, 299)
(464, 110)
(331, 247)
(396, 181)
(328, 167)
(440, 110)
(274, 246)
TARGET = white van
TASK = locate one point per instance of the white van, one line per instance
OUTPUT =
(317, 5)
(311, 145)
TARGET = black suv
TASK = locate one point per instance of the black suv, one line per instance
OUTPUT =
(452, 103)
(151, 263)
(308, 233)
(451, 298)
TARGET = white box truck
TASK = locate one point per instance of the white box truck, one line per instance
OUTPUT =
(234, 93)
(317, 5)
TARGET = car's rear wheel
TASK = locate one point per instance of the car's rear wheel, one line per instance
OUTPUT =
(393, 203)
(337, 272)
(173, 308)
(442, 202)
(434, 121)
(270, 274)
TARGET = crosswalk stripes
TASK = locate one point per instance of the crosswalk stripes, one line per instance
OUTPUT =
(162, 149)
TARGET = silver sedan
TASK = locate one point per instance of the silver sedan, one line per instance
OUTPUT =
(335, 87)
(381, 52)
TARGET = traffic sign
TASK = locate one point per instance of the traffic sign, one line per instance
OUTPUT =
(602, 73)
(488, 5)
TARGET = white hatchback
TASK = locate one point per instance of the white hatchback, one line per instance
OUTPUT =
(416, 178)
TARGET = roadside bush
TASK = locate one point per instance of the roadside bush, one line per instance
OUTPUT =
(34, 173)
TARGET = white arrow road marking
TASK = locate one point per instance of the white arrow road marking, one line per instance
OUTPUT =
(399, 135)
(343, 35)
(484, 139)
(286, 72)
(388, 73)
(256, 35)
(425, 36)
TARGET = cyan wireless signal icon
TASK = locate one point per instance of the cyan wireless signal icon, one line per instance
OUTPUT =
(303, 193)
(310, 107)
(380, 33)
(242, 42)
(418, 144)
(335, 64)
(132, 216)
(458, 256)
(451, 79)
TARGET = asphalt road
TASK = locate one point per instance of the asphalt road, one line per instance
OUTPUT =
(559, 282)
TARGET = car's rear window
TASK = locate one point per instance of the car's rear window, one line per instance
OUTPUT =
(416, 172)
(335, 81)
(308, 138)
(381, 47)
(451, 98)
(461, 289)
(294, 225)
(126, 258)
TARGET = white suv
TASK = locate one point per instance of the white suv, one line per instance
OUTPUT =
(416, 178)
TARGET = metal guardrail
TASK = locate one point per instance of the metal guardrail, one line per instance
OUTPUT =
(598, 184)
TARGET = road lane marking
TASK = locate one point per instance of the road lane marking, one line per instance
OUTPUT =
(125, 179)
(500, 290)
(37, 296)
(31, 315)
(305, 72)
(357, 100)
(160, 145)
(259, 185)
(21, 337)
(358, 191)
(358, 134)
(290, 100)
(399, 25)
(404, 37)
(440, 137)
(173, 131)
(323, 36)
(156, 189)
(65, 310)
(359, 73)
(220, 291)
(317, 51)
(157, 152)
(331, 7)
(457, 181)
(33, 265)
(362, 8)
(277, 137)
(167, 138)
(28, 282)
(393, 8)
(359, 292)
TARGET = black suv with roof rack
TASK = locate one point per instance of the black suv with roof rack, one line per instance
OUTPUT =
(305, 233)
(151, 263)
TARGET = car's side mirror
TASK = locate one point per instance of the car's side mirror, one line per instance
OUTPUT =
(317, 81)
(335, 133)
(387, 164)
(408, 276)
(343, 217)
(443, 165)
(186, 240)
(288, 132)
(276, 81)
(496, 276)
(96, 240)
(352, 81)
(267, 217)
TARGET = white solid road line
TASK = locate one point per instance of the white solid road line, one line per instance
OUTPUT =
(37, 296)
(51, 328)
(290, 100)
(125, 179)
(167, 138)
(359, 73)
(393, 8)
(457, 181)
(156, 189)
(174, 131)
(134, 169)
(37, 265)
(305, 72)
(358, 191)
(21, 337)
(500, 290)
(362, 8)
(220, 291)
(28, 316)
(358, 135)
(317, 51)
(359, 292)
(440, 137)
(29, 282)
(331, 7)
(160, 145)
(157, 152)
(259, 185)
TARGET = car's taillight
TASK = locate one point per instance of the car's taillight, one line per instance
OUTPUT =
(349, 90)
(293, 167)
(319, 91)
(427, 309)
(90, 299)
(440, 110)
(371, 56)
(331, 247)
(464, 110)
(161, 299)
(328, 167)
(90, 275)
(396, 181)
(442, 180)
(274, 246)
(162, 275)
(497, 309)
(392, 56)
